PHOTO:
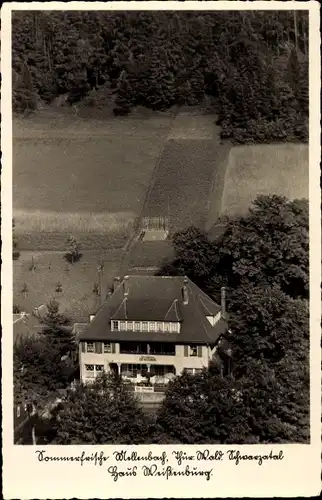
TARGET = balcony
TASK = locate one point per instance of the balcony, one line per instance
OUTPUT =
(148, 349)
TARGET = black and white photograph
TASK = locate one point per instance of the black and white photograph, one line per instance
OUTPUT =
(160, 227)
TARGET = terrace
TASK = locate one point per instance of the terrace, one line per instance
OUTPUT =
(144, 378)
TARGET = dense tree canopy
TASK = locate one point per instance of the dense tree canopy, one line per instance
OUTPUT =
(266, 324)
(38, 370)
(253, 64)
(194, 256)
(267, 246)
(257, 389)
(103, 412)
(45, 363)
(264, 396)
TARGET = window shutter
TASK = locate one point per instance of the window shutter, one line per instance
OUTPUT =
(186, 354)
(98, 347)
(113, 348)
(83, 346)
(199, 351)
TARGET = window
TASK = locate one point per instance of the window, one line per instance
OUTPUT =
(122, 326)
(174, 327)
(99, 368)
(129, 370)
(89, 370)
(159, 348)
(145, 326)
(115, 325)
(152, 326)
(107, 347)
(166, 327)
(198, 370)
(193, 350)
(130, 326)
(137, 326)
(188, 370)
(159, 326)
(18, 411)
(157, 370)
(89, 346)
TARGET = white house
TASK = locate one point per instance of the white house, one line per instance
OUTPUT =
(150, 329)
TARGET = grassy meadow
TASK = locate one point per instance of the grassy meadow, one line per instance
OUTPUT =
(81, 177)
(281, 169)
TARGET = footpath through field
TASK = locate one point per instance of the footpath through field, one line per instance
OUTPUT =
(186, 186)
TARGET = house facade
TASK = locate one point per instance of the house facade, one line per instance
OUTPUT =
(150, 329)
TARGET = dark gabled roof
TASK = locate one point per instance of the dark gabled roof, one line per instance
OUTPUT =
(157, 298)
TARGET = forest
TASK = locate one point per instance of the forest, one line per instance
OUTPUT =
(252, 67)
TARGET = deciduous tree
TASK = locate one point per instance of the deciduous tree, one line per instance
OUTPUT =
(266, 324)
(103, 412)
(269, 245)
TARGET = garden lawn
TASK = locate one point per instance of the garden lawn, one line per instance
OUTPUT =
(281, 169)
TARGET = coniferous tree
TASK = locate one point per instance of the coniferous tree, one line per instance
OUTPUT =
(124, 100)
(38, 370)
(56, 328)
(157, 60)
(25, 96)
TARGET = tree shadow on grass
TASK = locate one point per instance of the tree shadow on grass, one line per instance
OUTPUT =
(73, 258)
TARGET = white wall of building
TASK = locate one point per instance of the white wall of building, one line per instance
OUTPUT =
(179, 360)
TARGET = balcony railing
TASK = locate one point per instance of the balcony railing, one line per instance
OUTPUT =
(145, 353)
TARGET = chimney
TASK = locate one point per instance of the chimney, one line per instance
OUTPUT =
(116, 283)
(185, 292)
(102, 294)
(223, 302)
(126, 286)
